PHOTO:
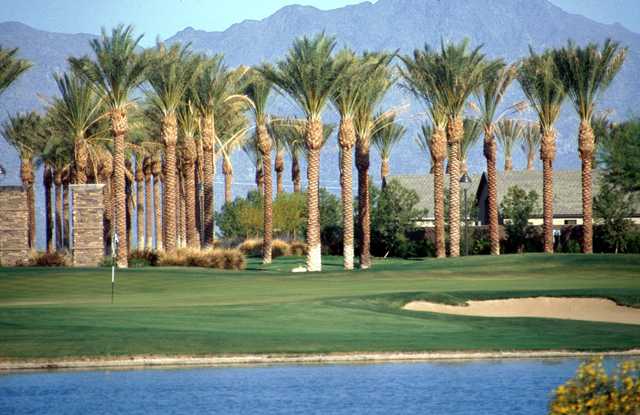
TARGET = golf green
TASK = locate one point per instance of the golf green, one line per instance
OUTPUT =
(64, 312)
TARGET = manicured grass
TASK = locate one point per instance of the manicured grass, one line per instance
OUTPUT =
(67, 312)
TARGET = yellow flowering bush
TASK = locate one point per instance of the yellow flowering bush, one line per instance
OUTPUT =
(594, 392)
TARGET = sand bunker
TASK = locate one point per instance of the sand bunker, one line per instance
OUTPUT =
(589, 309)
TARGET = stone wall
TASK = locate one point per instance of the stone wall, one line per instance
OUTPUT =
(14, 225)
(87, 243)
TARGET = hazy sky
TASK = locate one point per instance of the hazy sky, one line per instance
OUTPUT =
(166, 17)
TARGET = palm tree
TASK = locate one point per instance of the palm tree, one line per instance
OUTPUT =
(147, 168)
(295, 147)
(76, 114)
(457, 73)
(115, 73)
(47, 182)
(257, 91)
(232, 135)
(25, 132)
(156, 171)
(586, 73)
(385, 139)
(472, 128)
(538, 76)
(10, 67)
(104, 161)
(173, 70)
(417, 74)
(373, 88)
(509, 132)
(211, 90)
(496, 79)
(309, 74)
(530, 142)
(188, 120)
(345, 99)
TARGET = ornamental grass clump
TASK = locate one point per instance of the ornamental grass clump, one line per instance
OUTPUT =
(207, 258)
(593, 391)
(253, 248)
(298, 248)
(46, 259)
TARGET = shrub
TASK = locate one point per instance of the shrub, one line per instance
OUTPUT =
(208, 258)
(143, 258)
(46, 259)
(253, 248)
(298, 248)
(593, 391)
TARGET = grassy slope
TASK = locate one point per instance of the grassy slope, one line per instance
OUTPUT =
(67, 312)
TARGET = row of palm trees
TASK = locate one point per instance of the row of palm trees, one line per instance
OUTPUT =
(197, 110)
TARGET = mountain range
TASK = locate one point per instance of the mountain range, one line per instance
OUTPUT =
(505, 28)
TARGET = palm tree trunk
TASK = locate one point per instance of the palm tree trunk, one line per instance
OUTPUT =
(81, 158)
(438, 155)
(189, 188)
(347, 139)
(156, 170)
(364, 215)
(279, 168)
(455, 132)
(530, 160)
(587, 143)
(129, 192)
(57, 179)
(508, 163)
(140, 204)
(119, 128)
(227, 170)
(198, 189)
(492, 202)
(148, 214)
(47, 180)
(265, 145)
(182, 211)
(26, 175)
(547, 154)
(295, 174)
(170, 138)
(384, 171)
(313, 139)
(65, 214)
(209, 166)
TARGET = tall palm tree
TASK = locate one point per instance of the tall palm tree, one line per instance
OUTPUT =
(509, 132)
(104, 161)
(250, 149)
(116, 71)
(309, 74)
(257, 91)
(188, 120)
(417, 73)
(472, 128)
(586, 72)
(457, 73)
(232, 133)
(538, 76)
(530, 142)
(10, 67)
(173, 70)
(25, 132)
(77, 113)
(295, 147)
(385, 139)
(366, 122)
(211, 90)
(496, 79)
(156, 171)
(345, 99)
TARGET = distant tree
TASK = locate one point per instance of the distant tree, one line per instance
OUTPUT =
(288, 214)
(613, 207)
(393, 215)
(620, 156)
(517, 207)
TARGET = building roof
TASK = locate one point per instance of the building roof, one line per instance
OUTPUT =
(567, 188)
(423, 185)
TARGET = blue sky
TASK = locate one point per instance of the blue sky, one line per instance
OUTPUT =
(166, 17)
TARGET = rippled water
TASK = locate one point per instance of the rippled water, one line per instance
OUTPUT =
(477, 387)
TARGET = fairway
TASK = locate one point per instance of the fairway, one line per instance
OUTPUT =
(58, 313)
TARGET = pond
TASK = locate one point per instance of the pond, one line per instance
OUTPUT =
(467, 387)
